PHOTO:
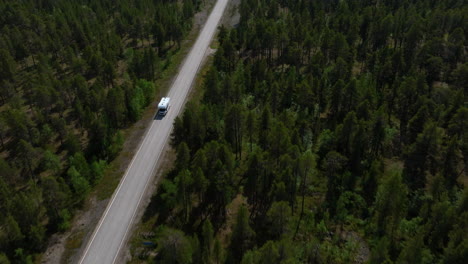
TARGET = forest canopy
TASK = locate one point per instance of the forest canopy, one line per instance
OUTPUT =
(73, 74)
(328, 132)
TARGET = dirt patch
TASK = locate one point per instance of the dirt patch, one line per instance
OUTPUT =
(362, 248)
(62, 245)
(231, 214)
(232, 15)
(393, 165)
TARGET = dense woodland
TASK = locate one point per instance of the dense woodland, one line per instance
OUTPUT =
(328, 132)
(72, 75)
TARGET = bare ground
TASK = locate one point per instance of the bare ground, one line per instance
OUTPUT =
(362, 247)
(66, 247)
(232, 16)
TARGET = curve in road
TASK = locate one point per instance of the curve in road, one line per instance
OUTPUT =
(111, 232)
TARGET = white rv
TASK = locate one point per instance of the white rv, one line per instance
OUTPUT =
(163, 106)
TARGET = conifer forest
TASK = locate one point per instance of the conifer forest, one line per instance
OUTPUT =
(73, 74)
(325, 131)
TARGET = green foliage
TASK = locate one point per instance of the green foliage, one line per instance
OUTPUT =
(242, 234)
(278, 217)
(136, 104)
(148, 89)
(380, 252)
(415, 252)
(350, 206)
(97, 169)
(66, 90)
(4, 258)
(71, 144)
(390, 203)
(57, 199)
(174, 246)
(65, 216)
(218, 252)
(7, 65)
(79, 183)
(115, 146)
(184, 182)
(168, 192)
(11, 235)
(50, 161)
(7, 173)
(207, 245)
(21, 257)
(423, 156)
(341, 127)
(250, 257)
(269, 253)
(333, 166)
(183, 156)
(78, 162)
(37, 236)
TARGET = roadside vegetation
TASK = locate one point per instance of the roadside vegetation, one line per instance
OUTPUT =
(327, 132)
(73, 74)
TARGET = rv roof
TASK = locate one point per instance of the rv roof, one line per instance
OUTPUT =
(164, 102)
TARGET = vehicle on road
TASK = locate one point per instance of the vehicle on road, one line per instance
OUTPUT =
(163, 106)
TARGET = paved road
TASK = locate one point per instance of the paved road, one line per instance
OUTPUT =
(111, 232)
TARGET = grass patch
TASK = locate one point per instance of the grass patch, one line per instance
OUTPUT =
(75, 240)
(232, 209)
(214, 44)
(109, 182)
(73, 243)
(143, 233)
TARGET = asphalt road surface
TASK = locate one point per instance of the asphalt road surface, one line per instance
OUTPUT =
(112, 230)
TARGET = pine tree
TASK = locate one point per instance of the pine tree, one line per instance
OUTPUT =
(306, 165)
(233, 128)
(7, 66)
(242, 235)
(278, 217)
(184, 183)
(207, 242)
(27, 156)
(174, 247)
(390, 205)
